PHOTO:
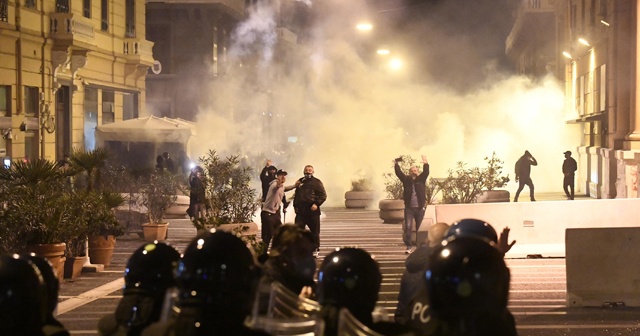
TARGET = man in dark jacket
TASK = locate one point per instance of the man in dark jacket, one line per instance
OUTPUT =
(523, 174)
(310, 195)
(415, 199)
(569, 167)
(267, 175)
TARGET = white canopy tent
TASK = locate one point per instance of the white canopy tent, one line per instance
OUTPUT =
(147, 129)
(151, 135)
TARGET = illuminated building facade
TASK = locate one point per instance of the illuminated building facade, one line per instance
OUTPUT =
(67, 66)
(597, 40)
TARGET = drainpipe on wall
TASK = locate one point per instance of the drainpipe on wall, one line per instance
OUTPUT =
(43, 67)
(18, 61)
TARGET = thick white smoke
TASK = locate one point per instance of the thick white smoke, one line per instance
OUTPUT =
(350, 117)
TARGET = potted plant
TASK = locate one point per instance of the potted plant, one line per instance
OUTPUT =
(97, 205)
(158, 194)
(361, 194)
(493, 180)
(36, 211)
(232, 200)
(392, 208)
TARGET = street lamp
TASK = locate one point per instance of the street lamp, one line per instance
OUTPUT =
(383, 52)
(583, 41)
(395, 64)
(364, 26)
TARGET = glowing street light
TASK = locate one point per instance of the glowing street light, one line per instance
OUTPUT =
(364, 26)
(583, 41)
(383, 52)
(395, 64)
(567, 55)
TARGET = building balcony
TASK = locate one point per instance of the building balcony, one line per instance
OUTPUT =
(72, 30)
(537, 6)
(138, 51)
(530, 13)
(287, 36)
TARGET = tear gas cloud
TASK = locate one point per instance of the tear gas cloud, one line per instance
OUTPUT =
(349, 117)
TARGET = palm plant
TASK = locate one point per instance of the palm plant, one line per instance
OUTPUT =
(36, 205)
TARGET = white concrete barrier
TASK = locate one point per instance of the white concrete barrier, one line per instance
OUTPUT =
(602, 267)
(539, 227)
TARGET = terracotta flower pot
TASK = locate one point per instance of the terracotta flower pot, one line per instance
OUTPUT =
(101, 249)
(73, 267)
(155, 231)
(53, 252)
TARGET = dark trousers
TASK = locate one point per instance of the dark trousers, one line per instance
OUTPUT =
(411, 215)
(270, 222)
(312, 220)
(569, 184)
(525, 181)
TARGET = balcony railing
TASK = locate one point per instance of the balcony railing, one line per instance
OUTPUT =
(67, 26)
(286, 35)
(4, 10)
(537, 5)
(138, 50)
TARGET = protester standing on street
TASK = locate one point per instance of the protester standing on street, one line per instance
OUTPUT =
(197, 195)
(168, 163)
(310, 195)
(414, 195)
(267, 175)
(523, 174)
(270, 214)
(569, 167)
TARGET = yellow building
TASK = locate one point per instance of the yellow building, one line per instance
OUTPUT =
(67, 66)
(598, 43)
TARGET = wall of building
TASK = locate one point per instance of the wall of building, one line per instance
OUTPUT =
(42, 48)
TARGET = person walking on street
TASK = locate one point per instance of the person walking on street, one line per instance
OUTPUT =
(270, 214)
(197, 195)
(523, 174)
(569, 167)
(415, 199)
(309, 196)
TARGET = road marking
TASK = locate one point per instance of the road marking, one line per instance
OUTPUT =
(89, 296)
(577, 326)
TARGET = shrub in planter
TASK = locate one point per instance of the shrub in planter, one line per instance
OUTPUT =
(465, 185)
(157, 196)
(360, 195)
(37, 205)
(36, 210)
(231, 198)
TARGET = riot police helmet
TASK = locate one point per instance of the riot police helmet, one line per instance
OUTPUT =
(467, 276)
(350, 278)
(151, 268)
(473, 227)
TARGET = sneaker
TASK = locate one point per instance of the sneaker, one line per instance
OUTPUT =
(408, 250)
(316, 254)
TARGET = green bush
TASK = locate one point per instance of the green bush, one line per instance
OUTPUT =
(361, 184)
(464, 185)
(158, 194)
(228, 190)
